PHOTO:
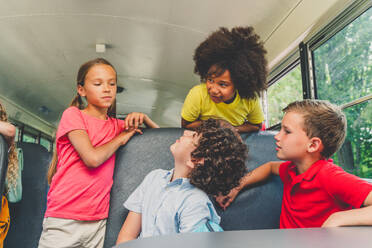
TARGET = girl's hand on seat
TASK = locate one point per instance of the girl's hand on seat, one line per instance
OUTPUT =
(132, 131)
(134, 120)
(127, 134)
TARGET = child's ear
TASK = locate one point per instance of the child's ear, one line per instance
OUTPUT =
(81, 90)
(315, 145)
(191, 163)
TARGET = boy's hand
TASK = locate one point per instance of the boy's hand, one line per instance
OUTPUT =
(225, 200)
(353, 217)
(134, 120)
(332, 221)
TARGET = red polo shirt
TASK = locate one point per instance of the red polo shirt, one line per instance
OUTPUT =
(311, 197)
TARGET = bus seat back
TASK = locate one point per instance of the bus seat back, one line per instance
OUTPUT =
(27, 215)
(256, 208)
(3, 163)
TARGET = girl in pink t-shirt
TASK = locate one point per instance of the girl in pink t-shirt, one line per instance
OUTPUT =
(82, 168)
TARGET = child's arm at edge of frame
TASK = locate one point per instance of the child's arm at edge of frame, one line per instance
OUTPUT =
(131, 228)
(244, 128)
(150, 123)
(8, 130)
(190, 125)
(259, 174)
(354, 217)
(95, 156)
(248, 127)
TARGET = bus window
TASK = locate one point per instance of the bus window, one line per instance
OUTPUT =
(17, 134)
(343, 64)
(30, 135)
(355, 156)
(46, 143)
(29, 138)
(343, 73)
(285, 90)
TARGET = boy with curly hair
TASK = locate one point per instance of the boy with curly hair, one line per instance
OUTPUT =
(316, 193)
(210, 161)
(232, 67)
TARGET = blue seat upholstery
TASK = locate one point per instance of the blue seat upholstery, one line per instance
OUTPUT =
(256, 208)
(27, 215)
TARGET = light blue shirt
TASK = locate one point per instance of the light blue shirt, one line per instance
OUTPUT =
(170, 207)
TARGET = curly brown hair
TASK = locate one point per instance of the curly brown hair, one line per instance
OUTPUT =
(223, 154)
(241, 52)
(12, 172)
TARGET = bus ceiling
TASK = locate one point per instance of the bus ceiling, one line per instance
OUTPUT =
(151, 44)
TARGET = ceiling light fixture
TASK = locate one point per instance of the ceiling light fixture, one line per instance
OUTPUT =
(43, 109)
(100, 48)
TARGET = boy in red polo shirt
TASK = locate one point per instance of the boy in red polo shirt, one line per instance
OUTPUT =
(316, 193)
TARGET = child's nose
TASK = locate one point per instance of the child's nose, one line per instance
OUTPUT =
(187, 133)
(213, 89)
(106, 87)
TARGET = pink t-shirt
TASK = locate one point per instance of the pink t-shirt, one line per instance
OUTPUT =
(78, 192)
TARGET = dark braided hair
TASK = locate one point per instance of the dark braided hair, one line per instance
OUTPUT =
(223, 154)
(241, 52)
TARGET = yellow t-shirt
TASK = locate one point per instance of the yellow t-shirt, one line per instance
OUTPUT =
(199, 106)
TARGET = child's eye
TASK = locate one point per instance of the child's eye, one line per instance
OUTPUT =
(223, 85)
(210, 80)
(112, 83)
(287, 131)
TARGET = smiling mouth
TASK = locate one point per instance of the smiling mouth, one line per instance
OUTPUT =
(215, 97)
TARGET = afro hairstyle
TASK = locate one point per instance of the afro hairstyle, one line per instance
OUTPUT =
(241, 52)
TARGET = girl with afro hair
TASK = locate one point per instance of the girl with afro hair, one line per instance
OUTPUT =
(232, 68)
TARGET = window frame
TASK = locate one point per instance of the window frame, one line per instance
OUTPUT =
(346, 17)
(37, 134)
(46, 137)
(305, 54)
(274, 79)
